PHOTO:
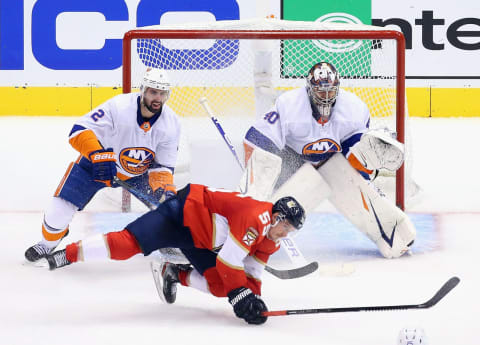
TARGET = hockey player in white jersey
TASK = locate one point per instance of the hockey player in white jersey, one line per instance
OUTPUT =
(324, 125)
(132, 136)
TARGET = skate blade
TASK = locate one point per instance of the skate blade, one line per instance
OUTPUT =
(156, 268)
(42, 263)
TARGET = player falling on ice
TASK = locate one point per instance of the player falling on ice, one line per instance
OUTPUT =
(226, 236)
(132, 136)
(328, 127)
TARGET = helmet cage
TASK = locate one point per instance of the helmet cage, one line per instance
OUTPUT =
(321, 95)
(322, 87)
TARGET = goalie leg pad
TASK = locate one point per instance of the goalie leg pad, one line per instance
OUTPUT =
(307, 186)
(376, 216)
(379, 150)
(261, 174)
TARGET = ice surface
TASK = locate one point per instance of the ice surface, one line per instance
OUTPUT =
(116, 302)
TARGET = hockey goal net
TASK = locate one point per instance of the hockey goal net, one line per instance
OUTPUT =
(241, 66)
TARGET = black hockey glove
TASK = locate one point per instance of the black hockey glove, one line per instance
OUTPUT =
(104, 168)
(247, 305)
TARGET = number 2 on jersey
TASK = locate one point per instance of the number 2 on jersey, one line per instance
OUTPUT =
(98, 114)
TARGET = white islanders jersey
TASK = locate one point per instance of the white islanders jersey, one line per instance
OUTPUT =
(137, 142)
(292, 124)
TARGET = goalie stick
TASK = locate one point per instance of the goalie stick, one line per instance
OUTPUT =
(445, 289)
(204, 102)
(151, 203)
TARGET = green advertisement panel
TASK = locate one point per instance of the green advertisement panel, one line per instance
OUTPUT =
(299, 55)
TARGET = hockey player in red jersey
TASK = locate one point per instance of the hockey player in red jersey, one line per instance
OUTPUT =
(132, 136)
(226, 236)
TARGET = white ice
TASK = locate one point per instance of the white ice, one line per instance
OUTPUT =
(116, 302)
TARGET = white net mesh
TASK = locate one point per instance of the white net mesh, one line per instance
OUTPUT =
(241, 77)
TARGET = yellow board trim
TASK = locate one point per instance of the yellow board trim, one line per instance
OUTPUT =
(55, 101)
(418, 99)
(460, 102)
(76, 101)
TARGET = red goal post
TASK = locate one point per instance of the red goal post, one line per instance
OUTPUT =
(284, 32)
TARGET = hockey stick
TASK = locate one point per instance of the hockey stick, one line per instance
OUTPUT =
(445, 289)
(147, 200)
(293, 273)
(204, 102)
(151, 203)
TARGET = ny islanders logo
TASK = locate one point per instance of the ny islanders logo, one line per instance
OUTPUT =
(136, 160)
(317, 149)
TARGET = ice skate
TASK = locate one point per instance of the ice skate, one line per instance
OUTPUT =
(37, 252)
(57, 259)
(166, 278)
(40, 250)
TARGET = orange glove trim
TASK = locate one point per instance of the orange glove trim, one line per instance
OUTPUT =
(161, 179)
(85, 143)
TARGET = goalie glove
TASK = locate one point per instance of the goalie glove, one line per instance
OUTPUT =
(378, 149)
(103, 166)
(161, 182)
(248, 306)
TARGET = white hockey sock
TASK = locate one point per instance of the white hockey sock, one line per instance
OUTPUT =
(57, 217)
(59, 213)
(94, 248)
(197, 281)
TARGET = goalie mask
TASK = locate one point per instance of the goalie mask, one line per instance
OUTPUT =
(322, 88)
(289, 209)
(156, 79)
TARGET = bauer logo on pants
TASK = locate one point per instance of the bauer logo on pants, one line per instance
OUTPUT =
(136, 160)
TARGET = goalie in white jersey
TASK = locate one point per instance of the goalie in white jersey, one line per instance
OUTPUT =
(312, 123)
(315, 123)
(134, 137)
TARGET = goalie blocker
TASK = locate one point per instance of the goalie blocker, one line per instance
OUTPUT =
(376, 216)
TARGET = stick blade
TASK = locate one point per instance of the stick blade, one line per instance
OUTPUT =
(444, 290)
(293, 273)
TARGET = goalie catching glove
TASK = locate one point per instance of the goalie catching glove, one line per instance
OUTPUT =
(378, 149)
(103, 166)
(248, 306)
(161, 182)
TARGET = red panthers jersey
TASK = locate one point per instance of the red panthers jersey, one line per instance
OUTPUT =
(234, 225)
